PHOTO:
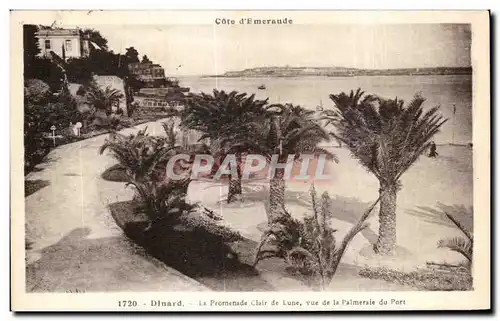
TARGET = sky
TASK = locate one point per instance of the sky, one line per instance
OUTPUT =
(215, 49)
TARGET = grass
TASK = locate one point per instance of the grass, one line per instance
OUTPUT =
(452, 279)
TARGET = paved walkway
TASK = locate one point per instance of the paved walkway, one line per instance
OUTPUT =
(76, 245)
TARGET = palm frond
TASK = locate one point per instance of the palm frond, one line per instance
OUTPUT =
(458, 244)
(385, 135)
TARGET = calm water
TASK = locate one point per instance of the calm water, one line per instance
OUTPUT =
(310, 92)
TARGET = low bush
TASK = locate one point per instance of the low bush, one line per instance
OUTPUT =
(457, 279)
(42, 110)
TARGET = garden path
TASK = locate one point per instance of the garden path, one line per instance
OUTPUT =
(74, 243)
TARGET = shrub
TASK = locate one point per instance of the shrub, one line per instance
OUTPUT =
(169, 128)
(140, 154)
(162, 201)
(103, 99)
(41, 111)
(81, 91)
(309, 246)
(36, 91)
(143, 158)
(457, 279)
(132, 108)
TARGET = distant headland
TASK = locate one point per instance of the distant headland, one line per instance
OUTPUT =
(342, 72)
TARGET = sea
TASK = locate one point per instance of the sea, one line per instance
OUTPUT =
(453, 93)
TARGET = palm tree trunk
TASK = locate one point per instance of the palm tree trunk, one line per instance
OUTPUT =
(386, 243)
(235, 182)
(234, 189)
(276, 196)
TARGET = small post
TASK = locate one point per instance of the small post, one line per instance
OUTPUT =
(53, 129)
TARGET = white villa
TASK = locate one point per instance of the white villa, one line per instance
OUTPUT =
(66, 43)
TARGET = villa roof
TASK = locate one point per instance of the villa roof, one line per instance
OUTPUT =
(58, 32)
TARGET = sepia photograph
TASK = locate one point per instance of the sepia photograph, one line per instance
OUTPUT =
(328, 161)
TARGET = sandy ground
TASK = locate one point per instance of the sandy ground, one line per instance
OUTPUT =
(430, 186)
(76, 245)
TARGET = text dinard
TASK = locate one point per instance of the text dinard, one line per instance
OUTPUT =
(251, 21)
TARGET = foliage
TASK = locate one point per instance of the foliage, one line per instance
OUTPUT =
(387, 138)
(41, 111)
(135, 83)
(96, 37)
(131, 54)
(36, 91)
(79, 70)
(223, 118)
(162, 200)
(107, 63)
(132, 108)
(139, 154)
(170, 132)
(30, 49)
(144, 159)
(284, 130)
(458, 279)
(145, 59)
(383, 134)
(309, 246)
(103, 99)
(462, 245)
(47, 71)
(220, 113)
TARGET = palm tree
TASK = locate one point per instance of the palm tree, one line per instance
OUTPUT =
(288, 130)
(144, 158)
(103, 99)
(141, 155)
(387, 138)
(221, 114)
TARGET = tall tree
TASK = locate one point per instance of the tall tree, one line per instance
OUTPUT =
(286, 131)
(96, 37)
(386, 137)
(221, 116)
(103, 99)
(30, 49)
(132, 55)
(145, 59)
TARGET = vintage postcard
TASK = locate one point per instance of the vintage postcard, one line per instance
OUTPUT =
(250, 160)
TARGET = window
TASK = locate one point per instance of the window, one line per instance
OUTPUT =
(68, 45)
(47, 44)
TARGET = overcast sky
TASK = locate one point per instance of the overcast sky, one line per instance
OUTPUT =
(214, 49)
